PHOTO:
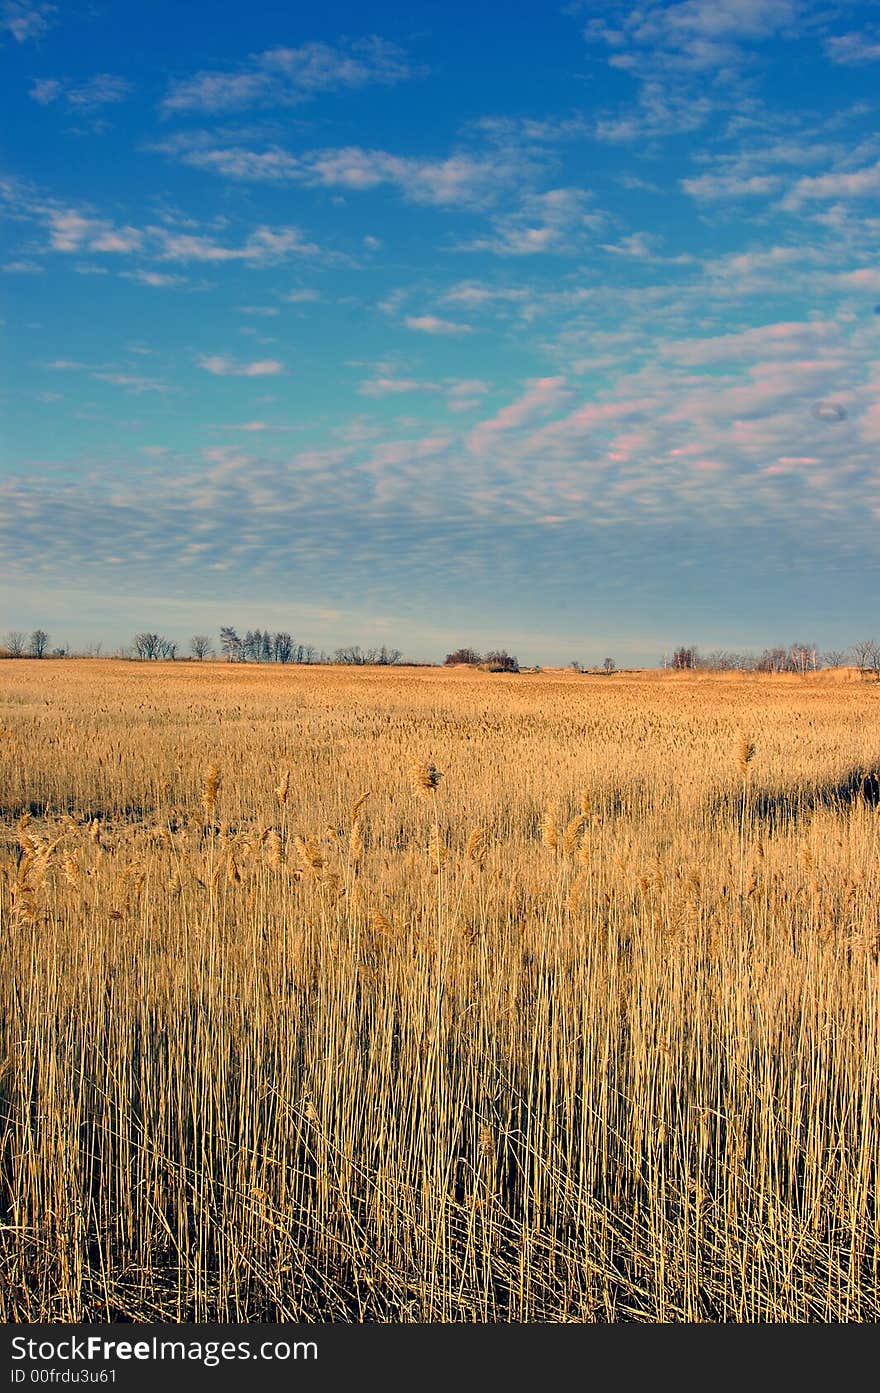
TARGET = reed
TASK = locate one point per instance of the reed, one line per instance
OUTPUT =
(480, 1046)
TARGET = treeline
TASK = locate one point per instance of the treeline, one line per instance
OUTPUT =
(261, 646)
(497, 660)
(796, 657)
(23, 645)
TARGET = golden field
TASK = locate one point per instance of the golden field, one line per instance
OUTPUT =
(586, 1030)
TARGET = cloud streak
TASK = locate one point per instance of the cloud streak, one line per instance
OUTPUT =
(220, 366)
(280, 77)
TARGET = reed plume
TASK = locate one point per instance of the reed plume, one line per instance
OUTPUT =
(477, 847)
(425, 778)
(550, 828)
(282, 792)
(211, 791)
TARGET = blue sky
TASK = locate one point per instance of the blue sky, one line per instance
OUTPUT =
(438, 324)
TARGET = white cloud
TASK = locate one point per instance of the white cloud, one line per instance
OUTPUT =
(554, 221)
(387, 386)
(262, 247)
(543, 397)
(26, 21)
(431, 324)
(132, 381)
(853, 49)
(158, 280)
(858, 183)
(101, 90)
(779, 340)
(46, 90)
(459, 179)
(475, 294)
(658, 111)
(693, 36)
(288, 76)
(455, 180)
(720, 186)
(222, 366)
(71, 231)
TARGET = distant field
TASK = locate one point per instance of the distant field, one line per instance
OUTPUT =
(588, 1031)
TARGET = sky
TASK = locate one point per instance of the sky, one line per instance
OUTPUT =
(547, 327)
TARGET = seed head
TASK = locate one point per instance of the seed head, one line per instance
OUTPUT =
(425, 777)
(550, 829)
(211, 789)
(745, 753)
(477, 847)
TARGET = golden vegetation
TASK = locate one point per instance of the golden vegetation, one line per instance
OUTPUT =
(292, 1027)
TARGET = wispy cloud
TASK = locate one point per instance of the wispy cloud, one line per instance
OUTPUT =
(555, 221)
(693, 36)
(542, 398)
(781, 339)
(134, 382)
(841, 184)
(221, 366)
(457, 180)
(715, 187)
(264, 246)
(384, 385)
(852, 50)
(289, 76)
(25, 20)
(475, 294)
(101, 90)
(690, 59)
(73, 231)
(657, 112)
(432, 324)
(157, 280)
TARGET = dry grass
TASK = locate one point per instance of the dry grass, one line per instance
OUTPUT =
(585, 1030)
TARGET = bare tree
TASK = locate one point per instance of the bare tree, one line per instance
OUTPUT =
(833, 657)
(200, 646)
(230, 643)
(39, 641)
(609, 665)
(773, 660)
(461, 655)
(683, 659)
(282, 647)
(866, 652)
(15, 643)
(153, 646)
(499, 660)
(802, 657)
(350, 655)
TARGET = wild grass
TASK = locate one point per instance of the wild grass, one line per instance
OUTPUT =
(294, 1029)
